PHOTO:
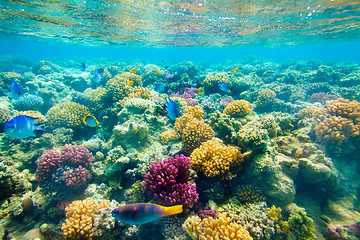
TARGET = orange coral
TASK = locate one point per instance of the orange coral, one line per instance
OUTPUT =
(345, 108)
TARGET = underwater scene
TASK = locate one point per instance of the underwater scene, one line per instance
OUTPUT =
(179, 120)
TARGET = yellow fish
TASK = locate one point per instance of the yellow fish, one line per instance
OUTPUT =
(130, 83)
(199, 90)
(133, 70)
(90, 121)
(234, 70)
(184, 75)
(156, 71)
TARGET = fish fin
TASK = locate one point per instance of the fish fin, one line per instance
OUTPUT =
(173, 209)
(40, 127)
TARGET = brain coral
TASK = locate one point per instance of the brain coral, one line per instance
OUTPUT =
(214, 228)
(194, 134)
(238, 108)
(214, 159)
(66, 114)
(80, 218)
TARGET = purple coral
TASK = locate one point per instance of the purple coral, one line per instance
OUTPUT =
(167, 182)
(205, 213)
(187, 95)
(76, 156)
(76, 177)
(48, 163)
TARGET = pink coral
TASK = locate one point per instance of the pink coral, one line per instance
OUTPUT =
(76, 177)
(48, 163)
(76, 156)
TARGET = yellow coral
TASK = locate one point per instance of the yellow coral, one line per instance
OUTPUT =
(238, 108)
(214, 159)
(66, 114)
(136, 79)
(117, 87)
(96, 97)
(274, 213)
(197, 112)
(265, 97)
(336, 130)
(80, 218)
(312, 112)
(165, 137)
(194, 134)
(215, 228)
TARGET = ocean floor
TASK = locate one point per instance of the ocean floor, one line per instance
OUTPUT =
(251, 149)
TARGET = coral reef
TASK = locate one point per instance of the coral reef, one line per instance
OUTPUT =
(214, 159)
(238, 108)
(167, 182)
(214, 228)
(80, 218)
(28, 102)
(66, 114)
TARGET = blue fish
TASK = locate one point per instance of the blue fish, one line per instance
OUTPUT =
(171, 109)
(82, 66)
(15, 90)
(22, 126)
(97, 77)
(160, 87)
(224, 86)
(141, 213)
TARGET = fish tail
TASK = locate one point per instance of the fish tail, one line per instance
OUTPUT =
(173, 209)
(40, 127)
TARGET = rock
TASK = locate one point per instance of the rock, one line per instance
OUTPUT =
(316, 173)
(33, 234)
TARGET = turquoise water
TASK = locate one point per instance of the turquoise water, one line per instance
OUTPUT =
(245, 113)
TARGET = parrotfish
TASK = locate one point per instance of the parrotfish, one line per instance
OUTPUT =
(22, 126)
(224, 86)
(171, 109)
(15, 90)
(90, 121)
(160, 87)
(141, 213)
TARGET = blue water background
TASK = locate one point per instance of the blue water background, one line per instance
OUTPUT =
(334, 51)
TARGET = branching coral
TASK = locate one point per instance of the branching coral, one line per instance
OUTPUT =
(238, 108)
(95, 97)
(80, 219)
(345, 108)
(302, 225)
(117, 87)
(194, 134)
(214, 228)
(167, 182)
(214, 159)
(336, 130)
(66, 114)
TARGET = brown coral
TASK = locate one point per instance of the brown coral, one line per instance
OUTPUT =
(214, 159)
(117, 87)
(215, 228)
(194, 134)
(196, 111)
(312, 112)
(238, 108)
(80, 218)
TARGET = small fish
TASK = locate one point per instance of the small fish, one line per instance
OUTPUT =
(133, 70)
(271, 72)
(15, 90)
(97, 77)
(234, 70)
(184, 75)
(160, 87)
(171, 109)
(141, 213)
(224, 86)
(130, 83)
(90, 121)
(63, 204)
(22, 126)
(82, 66)
(156, 71)
(199, 90)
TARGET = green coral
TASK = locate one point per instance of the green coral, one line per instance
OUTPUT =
(96, 98)
(301, 225)
(224, 126)
(211, 82)
(117, 87)
(67, 114)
